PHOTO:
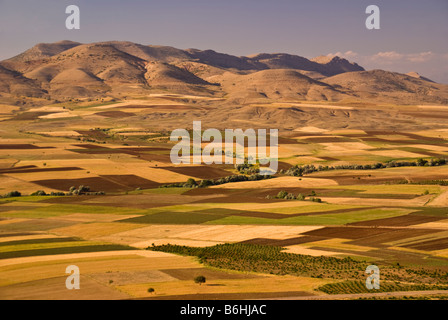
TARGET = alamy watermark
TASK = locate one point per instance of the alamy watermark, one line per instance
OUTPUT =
(73, 20)
(72, 281)
(373, 280)
(373, 20)
(231, 150)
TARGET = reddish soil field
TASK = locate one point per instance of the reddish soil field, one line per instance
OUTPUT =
(346, 232)
(94, 149)
(107, 183)
(394, 235)
(21, 146)
(201, 172)
(15, 234)
(402, 221)
(29, 170)
(328, 158)
(95, 184)
(132, 181)
(437, 244)
(282, 243)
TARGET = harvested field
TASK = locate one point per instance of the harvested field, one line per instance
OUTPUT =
(95, 229)
(280, 182)
(209, 274)
(248, 288)
(30, 115)
(204, 233)
(234, 296)
(54, 289)
(298, 249)
(120, 278)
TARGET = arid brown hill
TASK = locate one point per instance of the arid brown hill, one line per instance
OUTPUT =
(66, 69)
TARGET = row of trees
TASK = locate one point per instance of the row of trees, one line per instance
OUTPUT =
(289, 196)
(11, 194)
(81, 190)
(192, 183)
(298, 170)
(247, 168)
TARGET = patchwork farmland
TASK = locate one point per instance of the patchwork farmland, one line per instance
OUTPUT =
(81, 186)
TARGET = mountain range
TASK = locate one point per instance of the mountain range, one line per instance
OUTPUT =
(66, 69)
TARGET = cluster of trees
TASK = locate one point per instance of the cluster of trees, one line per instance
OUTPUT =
(11, 194)
(73, 191)
(298, 170)
(247, 168)
(289, 196)
(83, 190)
(191, 183)
(43, 193)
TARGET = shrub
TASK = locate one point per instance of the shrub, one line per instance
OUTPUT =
(39, 193)
(12, 194)
(282, 195)
(200, 280)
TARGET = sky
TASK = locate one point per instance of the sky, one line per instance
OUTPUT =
(413, 34)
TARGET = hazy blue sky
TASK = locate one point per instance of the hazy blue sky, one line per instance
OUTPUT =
(413, 34)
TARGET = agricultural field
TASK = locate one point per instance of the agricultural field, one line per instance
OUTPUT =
(92, 184)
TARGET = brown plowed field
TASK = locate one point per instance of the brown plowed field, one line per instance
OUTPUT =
(201, 172)
(401, 221)
(346, 232)
(430, 245)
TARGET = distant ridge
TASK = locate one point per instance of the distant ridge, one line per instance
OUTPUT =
(66, 69)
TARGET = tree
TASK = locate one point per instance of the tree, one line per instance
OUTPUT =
(200, 280)
(39, 193)
(13, 194)
(191, 183)
(282, 194)
(421, 162)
